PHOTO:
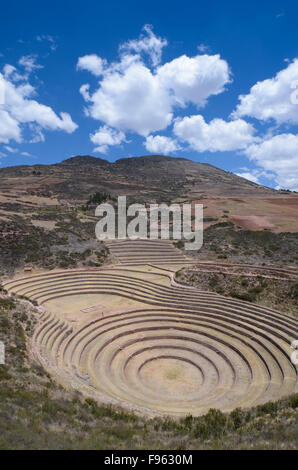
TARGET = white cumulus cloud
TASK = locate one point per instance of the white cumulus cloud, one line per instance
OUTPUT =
(278, 154)
(147, 42)
(92, 63)
(133, 97)
(9, 128)
(160, 144)
(218, 135)
(105, 137)
(273, 98)
(19, 108)
(194, 79)
(249, 176)
(131, 101)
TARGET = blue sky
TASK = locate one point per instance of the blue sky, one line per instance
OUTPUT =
(210, 81)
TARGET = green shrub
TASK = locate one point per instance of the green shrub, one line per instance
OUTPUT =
(293, 401)
(213, 424)
(237, 418)
(294, 291)
(98, 198)
(248, 297)
(267, 408)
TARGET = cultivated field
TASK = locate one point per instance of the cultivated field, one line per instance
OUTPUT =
(130, 334)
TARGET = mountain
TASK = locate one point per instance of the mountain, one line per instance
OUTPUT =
(47, 214)
(148, 177)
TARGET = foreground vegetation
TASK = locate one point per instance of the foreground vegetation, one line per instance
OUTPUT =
(37, 413)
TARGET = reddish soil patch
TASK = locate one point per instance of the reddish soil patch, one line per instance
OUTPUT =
(252, 222)
(284, 201)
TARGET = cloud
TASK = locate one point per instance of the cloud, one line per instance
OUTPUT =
(26, 154)
(218, 135)
(10, 149)
(160, 144)
(10, 72)
(9, 128)
(278, 154)
(49, 38)
(29, 63)
(272, 98)
(92, 63)
(134, 97)
(148, 43)
(203, 48)
(249, 176)
(105, 137)
(37, 133)
(131, 101)
(194, 79)
(20, 109)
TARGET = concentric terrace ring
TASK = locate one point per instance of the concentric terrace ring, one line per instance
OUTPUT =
(179, 350)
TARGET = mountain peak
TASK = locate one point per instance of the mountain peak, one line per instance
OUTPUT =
(149, 158)
(84, 159)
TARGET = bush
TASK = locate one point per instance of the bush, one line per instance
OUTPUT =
(248, 297)
(179, 244)
(213, 424)
(237, 418)
(293, 401)
(254, 291)
(294, 291)
(98, 198)
(267, 408)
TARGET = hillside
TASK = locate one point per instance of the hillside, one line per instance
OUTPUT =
(201, 357)
(151, 176)
(47, 211)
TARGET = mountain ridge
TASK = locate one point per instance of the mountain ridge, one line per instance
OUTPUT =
(172, 165)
